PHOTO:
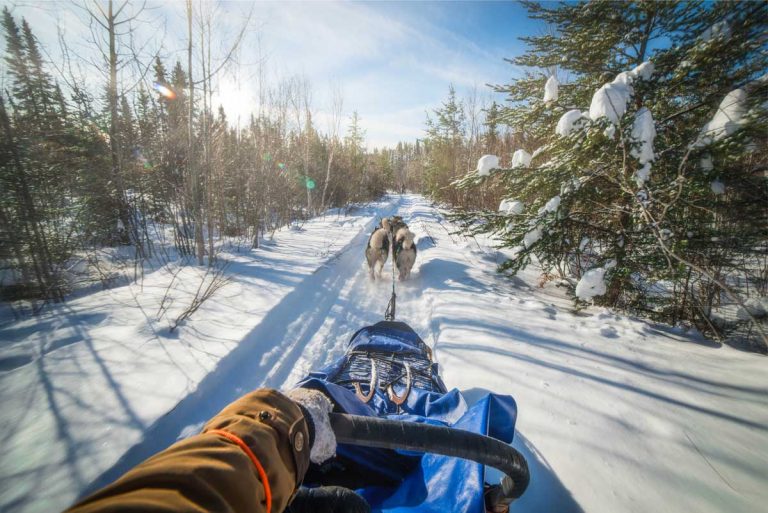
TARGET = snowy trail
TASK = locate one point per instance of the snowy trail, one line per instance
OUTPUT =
(615, 414)
(263, 358)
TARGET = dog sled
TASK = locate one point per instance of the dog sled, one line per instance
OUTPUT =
(406, 442)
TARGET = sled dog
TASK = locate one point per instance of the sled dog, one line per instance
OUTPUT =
(378, 248)
(395, 223)
(404, 253)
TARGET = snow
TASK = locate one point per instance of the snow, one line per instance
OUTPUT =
(717, 187)
(551, 89)
(512, 207)
(642, 174)
(521, 158)
(643, 71)
(615, 413)
(610, 101)
(552, 205)
(719, 30)
(727, 120)
(486, 163)
(570, 121)
(591, 284)
(706, 163)
(569, 186)
(753, 307)
(643, 133)
(532, 237)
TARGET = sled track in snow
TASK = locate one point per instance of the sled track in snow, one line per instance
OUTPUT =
(264, 358)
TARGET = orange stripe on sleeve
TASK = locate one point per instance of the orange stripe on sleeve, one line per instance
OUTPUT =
(247, 450)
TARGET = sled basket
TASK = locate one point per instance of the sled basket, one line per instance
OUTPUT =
(387, 374)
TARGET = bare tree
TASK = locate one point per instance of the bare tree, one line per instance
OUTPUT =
(117, 22)
(334, 121)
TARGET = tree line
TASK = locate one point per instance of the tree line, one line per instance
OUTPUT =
(153, 161)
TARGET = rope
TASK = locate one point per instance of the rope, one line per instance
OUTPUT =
(389, 314)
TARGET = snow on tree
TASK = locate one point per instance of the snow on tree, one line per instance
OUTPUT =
(610, 101)
(591, 284)
(643, 133)
(512, 207)
(570, 121)
(532, 237)
(551, 89)
(551, 205)
(486, 164)
(521, 158)
(716, 31)
(727, 120)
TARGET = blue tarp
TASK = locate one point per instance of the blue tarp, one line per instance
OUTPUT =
(396, 481)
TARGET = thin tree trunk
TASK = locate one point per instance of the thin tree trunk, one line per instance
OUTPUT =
(192, 168)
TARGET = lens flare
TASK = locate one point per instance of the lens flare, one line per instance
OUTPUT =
(164, 91)
(281, 166)
(310, 183)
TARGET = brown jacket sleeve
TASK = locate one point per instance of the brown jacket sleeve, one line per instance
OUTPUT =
(208, 472)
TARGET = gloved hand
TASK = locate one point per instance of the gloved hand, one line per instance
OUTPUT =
(316, 407)
(327, 499)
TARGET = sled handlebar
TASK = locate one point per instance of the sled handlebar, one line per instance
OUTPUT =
(428, 438)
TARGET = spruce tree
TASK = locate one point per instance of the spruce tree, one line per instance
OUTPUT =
(445, 142)
(644, 170)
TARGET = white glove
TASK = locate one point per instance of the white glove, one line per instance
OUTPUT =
(318, 406)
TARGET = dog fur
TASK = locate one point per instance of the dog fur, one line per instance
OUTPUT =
(396, 224)
(404, 252)
(378, 249)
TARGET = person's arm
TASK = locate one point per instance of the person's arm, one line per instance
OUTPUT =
(213, 472)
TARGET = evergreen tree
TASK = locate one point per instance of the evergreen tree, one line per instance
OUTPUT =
(40, 85)
(626, 180)
(16, 59)
(445, 143)
(353, 145)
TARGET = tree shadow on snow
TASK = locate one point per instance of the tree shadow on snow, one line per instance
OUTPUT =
(448, 275)
(263, 358)
(545, 493)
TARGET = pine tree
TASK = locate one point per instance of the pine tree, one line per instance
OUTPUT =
(353, 143)
(445, 140)
(600, 192)
(40, 85)
(16, 59)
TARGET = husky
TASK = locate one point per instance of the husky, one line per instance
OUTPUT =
(404, 253)
(378, 248)
(395, 223)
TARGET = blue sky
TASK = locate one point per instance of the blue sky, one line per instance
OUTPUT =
(392, 60)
